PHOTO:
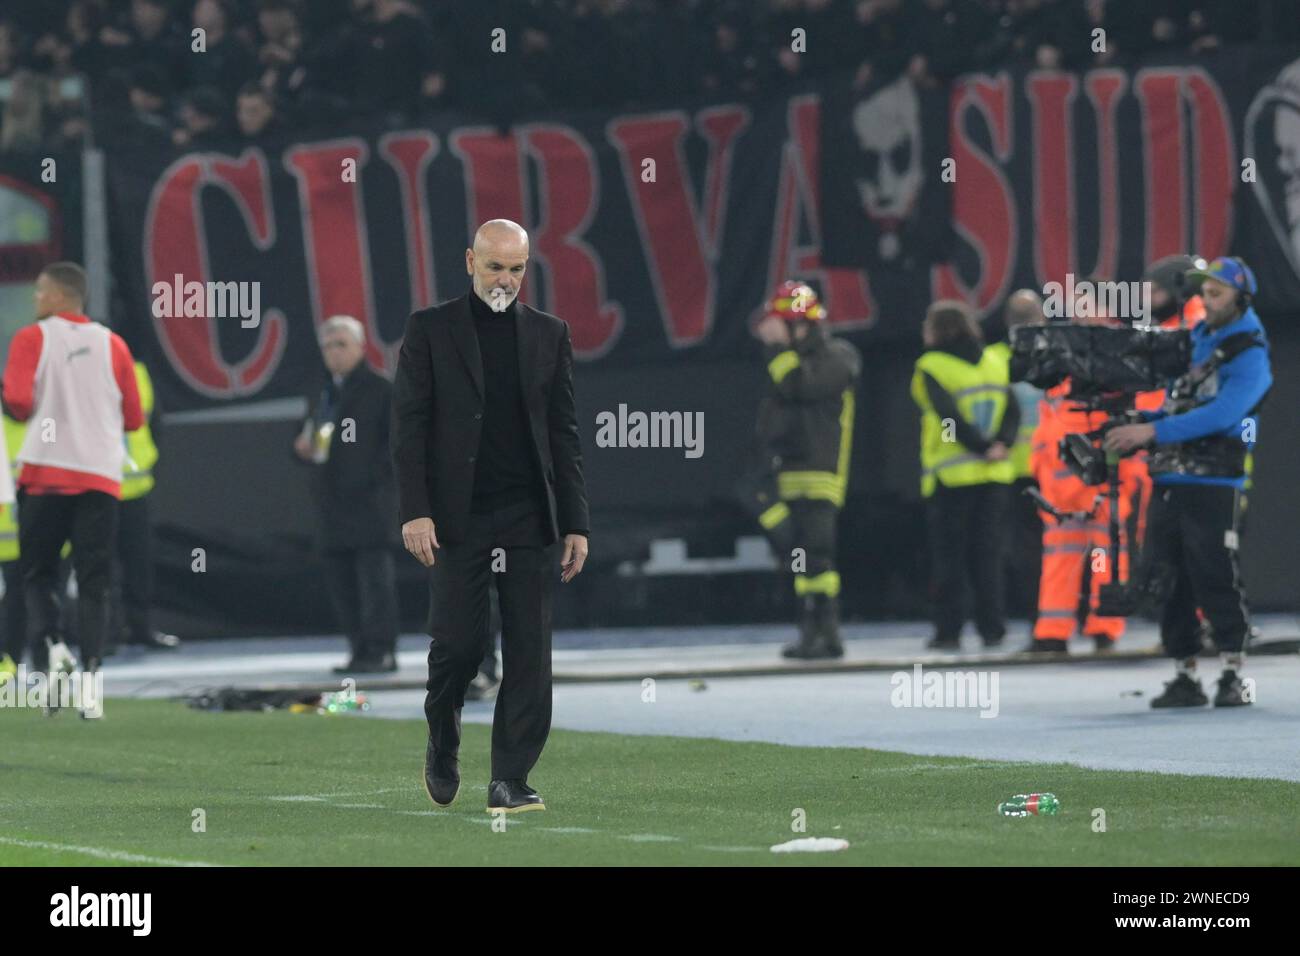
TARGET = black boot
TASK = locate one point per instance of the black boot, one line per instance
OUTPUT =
(827, 615)
(811, 645)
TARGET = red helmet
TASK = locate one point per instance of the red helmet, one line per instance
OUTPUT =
(793, 301)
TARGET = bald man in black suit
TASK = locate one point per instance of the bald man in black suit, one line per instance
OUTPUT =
(489, 472)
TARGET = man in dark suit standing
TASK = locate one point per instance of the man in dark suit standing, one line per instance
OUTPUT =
(347, 437)
(489, 473)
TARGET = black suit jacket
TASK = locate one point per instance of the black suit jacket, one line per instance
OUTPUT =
(438, 416)
(355, 489)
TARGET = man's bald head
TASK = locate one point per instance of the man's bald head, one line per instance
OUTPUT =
(1024, 307)
(497, 262)
(500, 233)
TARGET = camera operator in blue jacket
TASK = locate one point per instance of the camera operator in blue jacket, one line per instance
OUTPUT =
(1199, 443)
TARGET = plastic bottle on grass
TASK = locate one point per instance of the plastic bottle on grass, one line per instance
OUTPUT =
(1030, 805)
(342, 702)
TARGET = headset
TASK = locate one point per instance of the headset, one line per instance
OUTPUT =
(1244, 297)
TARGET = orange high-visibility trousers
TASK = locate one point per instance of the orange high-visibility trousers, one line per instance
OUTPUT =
(1072, 545)
(1069, 547)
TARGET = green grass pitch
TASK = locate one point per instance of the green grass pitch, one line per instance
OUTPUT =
(307, 790)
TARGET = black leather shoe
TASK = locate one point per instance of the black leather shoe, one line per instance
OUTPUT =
(1231, 693)
(1182, 691)
(441, 775)
(513, 796)
(937, 643)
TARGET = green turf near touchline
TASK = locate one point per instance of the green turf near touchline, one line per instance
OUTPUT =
(291, 789)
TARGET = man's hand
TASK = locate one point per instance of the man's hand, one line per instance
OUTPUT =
(302, 447)
(1126, 438)
(773, 331)
(575, 556)
(997, 452)
(420, 539)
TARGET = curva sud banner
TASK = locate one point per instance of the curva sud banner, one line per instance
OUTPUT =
(656, 235)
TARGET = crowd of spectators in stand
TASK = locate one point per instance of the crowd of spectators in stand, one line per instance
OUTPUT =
(269, 65)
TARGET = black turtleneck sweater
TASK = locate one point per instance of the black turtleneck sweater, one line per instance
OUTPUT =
(503, 471)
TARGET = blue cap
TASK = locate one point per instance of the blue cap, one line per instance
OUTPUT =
(1227, 269)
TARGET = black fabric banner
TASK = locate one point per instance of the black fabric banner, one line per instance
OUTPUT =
(656, 235)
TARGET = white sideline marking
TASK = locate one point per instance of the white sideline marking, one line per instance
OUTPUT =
(650, 838)
(630, 837)
(299, 798)
(102, 854)
(731, 849)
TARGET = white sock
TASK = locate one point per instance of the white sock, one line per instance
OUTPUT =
(1187, 667)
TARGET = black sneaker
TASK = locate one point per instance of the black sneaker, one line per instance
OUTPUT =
(1231, 692)
(1103, 643)
(513, 796)
(1182, 691)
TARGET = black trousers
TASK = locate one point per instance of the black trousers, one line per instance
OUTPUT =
(45, 522)
(1024, 553)
(1192, 530)
(811, 525)
(14, 614)
(133, 616)
(507, 547)
(967, 526)
(363, 587)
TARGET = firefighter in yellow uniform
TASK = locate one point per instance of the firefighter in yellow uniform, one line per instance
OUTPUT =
(135, 531)
(806, 430)
(968, 424)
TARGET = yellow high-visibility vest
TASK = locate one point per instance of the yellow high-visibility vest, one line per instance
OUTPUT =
(1028, 414)
(980, 394)
(141, 452)
(14, 434)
